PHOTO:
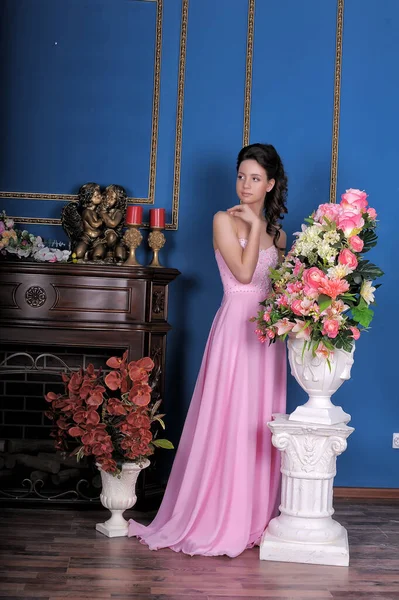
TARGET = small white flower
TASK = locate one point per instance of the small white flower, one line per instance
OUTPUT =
(366, 291)
(339, 271)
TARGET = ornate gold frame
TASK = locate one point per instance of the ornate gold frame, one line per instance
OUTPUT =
(154, 133)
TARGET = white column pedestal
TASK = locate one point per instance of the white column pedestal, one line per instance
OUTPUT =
(305, 532)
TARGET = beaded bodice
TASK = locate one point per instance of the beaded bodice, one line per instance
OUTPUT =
(260, 281)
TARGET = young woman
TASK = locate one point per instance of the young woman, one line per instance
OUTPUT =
(223, 486)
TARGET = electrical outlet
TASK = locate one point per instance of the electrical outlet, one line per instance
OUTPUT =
(395, 441)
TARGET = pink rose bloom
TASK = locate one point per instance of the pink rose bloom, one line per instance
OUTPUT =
(266, 316)
(333, 287)
(330, 210)
(283, 326)
(312, 277)
(371, 213)
(296, 307)
(346, 257)
(330, 328)
(270, 334)
(2, 227)
(355, 333)
(356, 243)
(350, 223)
(354, 200)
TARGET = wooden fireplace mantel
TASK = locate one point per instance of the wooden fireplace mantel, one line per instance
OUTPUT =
(86, 305)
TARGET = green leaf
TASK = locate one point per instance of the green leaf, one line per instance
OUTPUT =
(274, 274)
(368, 270)
(160, 421)
(324, 302)
(163, 444)
(369, 238)
(362, 315)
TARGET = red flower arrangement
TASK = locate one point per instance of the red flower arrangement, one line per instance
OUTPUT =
(111, 416)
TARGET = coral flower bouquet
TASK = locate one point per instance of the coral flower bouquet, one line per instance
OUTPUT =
(324, 289)
(110, 416)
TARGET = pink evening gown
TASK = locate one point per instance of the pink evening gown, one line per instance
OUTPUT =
(223, 487)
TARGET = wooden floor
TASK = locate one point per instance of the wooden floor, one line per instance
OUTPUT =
(57, 554)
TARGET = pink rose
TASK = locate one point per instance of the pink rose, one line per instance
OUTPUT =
(312, 277)
(346, 257)
(2, 227)
(296, 307)
(270, 334)
(330, 328)
(371, 213)
(355, 333)
(266, 316)
(350, 223)
(356, 243)
(330, 210)
(354, 199)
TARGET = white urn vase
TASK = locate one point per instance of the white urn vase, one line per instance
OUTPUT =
(119, 494)
(320, 381)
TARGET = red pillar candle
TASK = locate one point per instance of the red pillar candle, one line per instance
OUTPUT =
(134, 215)
(157, 218)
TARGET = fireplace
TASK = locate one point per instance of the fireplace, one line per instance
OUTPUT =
(60, 317)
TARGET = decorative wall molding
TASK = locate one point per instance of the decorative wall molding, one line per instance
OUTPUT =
(154, 134)
(248, 72)
(173, 225)
(337, 100)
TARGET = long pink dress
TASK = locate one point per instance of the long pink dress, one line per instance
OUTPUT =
(222, 490)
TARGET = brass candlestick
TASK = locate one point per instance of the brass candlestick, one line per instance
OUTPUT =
(132, 239)
(156, 241)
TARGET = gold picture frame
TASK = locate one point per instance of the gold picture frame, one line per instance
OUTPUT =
(154, 134)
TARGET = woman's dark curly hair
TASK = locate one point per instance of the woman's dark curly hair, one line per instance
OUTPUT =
(275, 201)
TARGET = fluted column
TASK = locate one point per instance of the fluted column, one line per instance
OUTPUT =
(305, 531)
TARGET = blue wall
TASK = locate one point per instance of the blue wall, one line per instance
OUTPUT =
(292, 107)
